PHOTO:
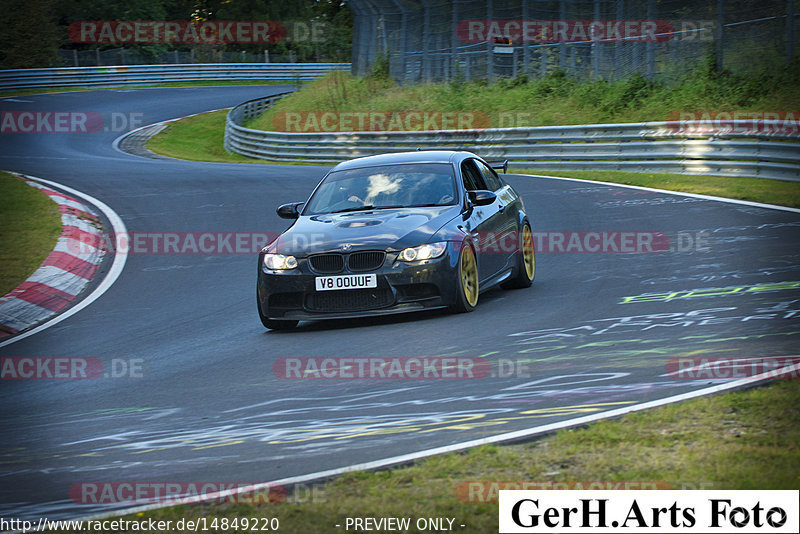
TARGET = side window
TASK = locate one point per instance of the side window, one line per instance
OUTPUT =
(473, 180)
(492, 180)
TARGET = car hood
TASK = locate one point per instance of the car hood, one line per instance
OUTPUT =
(383, 229)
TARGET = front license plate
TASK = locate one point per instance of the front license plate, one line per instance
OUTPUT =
(346, 281)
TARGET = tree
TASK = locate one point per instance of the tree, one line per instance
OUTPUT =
(30, 39)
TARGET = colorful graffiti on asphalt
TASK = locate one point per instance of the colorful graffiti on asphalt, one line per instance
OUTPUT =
(712, 292)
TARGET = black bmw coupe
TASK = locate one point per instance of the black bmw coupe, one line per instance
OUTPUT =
(396, 233)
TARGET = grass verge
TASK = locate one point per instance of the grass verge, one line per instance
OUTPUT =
(747, 439)
(30, 224)
(552, 100)
(197, 138)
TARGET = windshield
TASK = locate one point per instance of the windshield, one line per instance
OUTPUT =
(383, 187)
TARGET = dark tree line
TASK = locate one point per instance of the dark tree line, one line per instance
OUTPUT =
(36, 29)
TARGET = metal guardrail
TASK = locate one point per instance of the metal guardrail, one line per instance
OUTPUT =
(19, 79)
(769, 151)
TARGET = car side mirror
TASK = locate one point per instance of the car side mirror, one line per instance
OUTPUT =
(289, 211)
(497, 165)
(481, 197)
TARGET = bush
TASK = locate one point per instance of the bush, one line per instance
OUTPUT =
(628, 94)
(555, 99)
(556, 84)
(380, 68)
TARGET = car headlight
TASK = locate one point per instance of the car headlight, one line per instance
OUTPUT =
(279, 262)
(423, 252)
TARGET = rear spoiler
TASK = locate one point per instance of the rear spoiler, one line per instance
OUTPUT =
(499, 165)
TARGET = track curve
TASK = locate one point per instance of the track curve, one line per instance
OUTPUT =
(208, 405)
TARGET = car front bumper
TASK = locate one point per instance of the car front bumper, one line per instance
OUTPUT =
(401, 288)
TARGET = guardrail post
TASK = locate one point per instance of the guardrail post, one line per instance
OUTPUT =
(543, 55)
(526, 54)
(402, 54)
(650, 45)
(618, 48)
(789, 31)
(489, 46)
(562, 47)
(595, 45)
(426, 38)
(719, 34)
(453, 41)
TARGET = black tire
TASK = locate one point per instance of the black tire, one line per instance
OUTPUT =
(467, 285)
(274, 324)
(525, 268)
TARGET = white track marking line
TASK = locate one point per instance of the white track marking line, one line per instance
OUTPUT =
(677, 193)
(406, 458)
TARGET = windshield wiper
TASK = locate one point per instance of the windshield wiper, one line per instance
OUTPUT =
(366, 208)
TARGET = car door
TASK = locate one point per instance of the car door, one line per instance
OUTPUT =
(484, 224)
(508, 214)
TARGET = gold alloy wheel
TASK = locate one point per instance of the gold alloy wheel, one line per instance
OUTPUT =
(527, 252)
(469, 275)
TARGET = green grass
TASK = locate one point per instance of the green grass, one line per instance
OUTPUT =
(553, 100)
(197, 138)
(741, 440)
(30, 224)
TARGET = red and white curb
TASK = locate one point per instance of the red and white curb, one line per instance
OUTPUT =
(63, 275)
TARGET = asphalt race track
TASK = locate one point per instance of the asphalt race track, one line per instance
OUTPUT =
(206, 404)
